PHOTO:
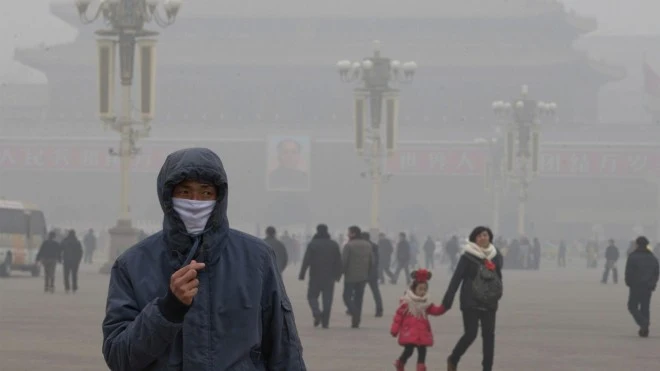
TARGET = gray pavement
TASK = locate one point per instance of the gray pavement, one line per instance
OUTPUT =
(549, 320)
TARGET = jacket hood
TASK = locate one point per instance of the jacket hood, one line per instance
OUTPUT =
(200, 164)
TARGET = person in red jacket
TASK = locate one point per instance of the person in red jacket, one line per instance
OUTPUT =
(411, 322)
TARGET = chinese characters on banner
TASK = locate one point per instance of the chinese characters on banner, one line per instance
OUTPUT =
(451, 161)
(55, 157)
(554, 162)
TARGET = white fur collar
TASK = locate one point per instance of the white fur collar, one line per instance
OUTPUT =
(416, 305)
(472, 249)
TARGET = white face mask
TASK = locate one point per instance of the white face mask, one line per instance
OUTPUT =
(194, 214)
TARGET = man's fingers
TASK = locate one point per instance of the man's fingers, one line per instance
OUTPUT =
(196, 266)
(190, 285)
(190, 275)
(191, 294)
(180, 272)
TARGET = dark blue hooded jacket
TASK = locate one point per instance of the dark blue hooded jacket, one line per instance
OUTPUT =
(241, 318)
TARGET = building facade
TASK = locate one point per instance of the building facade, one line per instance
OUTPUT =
(237, 75)
(235, 68)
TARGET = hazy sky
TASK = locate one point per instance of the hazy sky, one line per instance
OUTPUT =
(29, 24)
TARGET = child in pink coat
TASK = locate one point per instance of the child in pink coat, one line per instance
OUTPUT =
(411, 322)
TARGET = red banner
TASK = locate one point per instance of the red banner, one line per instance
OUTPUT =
(554, 162)
(450, 161)
(568, 160)
(600, 163)
(54, 157)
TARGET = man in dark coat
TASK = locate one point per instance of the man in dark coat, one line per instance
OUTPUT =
(323, 259)
(402, 259)
(89, 241)
(198, 296)
(373, 276)
(642, 272)
(429, 253)
(451, 249)
(385, 251)
(357, 261)
(561, 254)
(50, 253)
(72, 253)
(281, 255)
(611, 257)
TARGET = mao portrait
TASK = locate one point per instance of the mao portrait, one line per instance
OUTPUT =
(288, 164)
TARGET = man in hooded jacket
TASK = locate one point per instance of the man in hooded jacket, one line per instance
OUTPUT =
(323, 259)
(198, 296)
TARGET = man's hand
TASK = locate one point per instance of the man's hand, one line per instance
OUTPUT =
(184, 283)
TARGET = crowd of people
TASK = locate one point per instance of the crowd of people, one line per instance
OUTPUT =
(200, 296)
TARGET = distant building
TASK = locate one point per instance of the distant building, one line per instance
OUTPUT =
(231, 73)
(233, 64)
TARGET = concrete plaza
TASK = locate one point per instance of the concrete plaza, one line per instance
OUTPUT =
(549, 320)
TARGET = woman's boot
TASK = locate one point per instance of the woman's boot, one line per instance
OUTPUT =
(451, 366)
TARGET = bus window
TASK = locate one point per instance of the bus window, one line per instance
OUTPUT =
(13, 221)
(38, 224)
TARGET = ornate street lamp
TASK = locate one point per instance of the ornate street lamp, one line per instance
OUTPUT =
(376, 75)
(495, 180)
(522, 143)
(125, 21)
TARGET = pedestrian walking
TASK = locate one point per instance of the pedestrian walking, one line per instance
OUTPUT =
(451, 249)
(611, 257)
(50, 253)
(357, 260)
(403, 256)
(642, 272)
(479, 275)
(89, 241)
(429, 253)
(72, 253)
(281, 254)
(373, 276)
(323, 259)
(385, 251)
(561, 254)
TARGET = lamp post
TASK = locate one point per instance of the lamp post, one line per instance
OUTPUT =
(495, 181)
(125, 20)
(376, 75)
(522, 144)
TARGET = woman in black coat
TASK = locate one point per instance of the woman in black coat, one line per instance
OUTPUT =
(474, 311)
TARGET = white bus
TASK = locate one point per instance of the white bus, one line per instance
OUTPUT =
(22, 231)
